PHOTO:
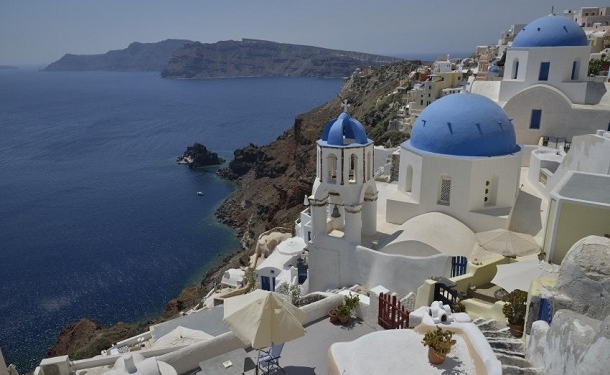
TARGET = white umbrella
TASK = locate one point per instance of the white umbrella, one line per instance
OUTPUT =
(519, 275)
(181, 336)
(507, 243)
(261, 318)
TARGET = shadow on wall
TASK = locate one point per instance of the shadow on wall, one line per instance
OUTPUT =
(529, 217)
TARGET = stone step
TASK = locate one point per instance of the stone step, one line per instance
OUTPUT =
(509, 353)
(505, 333)
(512, 360)
(489, 325)
(514, 370)
(513, 346)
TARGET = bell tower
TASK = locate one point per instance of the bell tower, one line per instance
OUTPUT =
(344, 196)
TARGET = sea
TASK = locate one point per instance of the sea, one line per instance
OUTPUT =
(97, 219)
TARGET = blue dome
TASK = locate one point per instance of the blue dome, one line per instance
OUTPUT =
(464, 125)
(551, 31)
(344, 128)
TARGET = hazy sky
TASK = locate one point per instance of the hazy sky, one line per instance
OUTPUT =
(42, 31)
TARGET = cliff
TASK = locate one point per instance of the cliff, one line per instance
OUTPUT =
(259, 58)
(271, 182)
(136, 57)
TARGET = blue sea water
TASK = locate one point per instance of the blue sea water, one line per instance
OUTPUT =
(96, 218)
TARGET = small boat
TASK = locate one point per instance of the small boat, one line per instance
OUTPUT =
(200, 193)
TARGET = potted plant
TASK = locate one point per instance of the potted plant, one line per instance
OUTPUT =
(439, 343)
(333, 315)
(344, 312)
(514, 310)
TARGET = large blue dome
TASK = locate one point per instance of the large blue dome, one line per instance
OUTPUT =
(464, 125)
(344, 131)
(551, 31)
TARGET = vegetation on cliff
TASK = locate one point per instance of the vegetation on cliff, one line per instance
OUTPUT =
(272, 180)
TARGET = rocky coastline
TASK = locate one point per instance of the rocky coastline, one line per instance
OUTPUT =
(271, 182)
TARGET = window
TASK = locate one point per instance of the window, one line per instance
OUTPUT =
(544, 71)
(352, 168)
(331, 162)
(515, 68)
(444, 195)
(574, 70)
(535, 119)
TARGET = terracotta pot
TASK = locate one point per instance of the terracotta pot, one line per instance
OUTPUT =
(332, 315)
(344, 319)
(516, 330)
(435, 357)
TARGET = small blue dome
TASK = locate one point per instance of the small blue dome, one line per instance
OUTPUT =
(343, 129)
(464, 125)
(551, 31)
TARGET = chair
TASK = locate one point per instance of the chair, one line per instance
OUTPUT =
(269, 359)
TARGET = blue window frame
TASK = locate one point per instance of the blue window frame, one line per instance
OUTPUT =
(535, 119)
(544, 71)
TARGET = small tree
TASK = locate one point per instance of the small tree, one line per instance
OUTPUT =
(515, 307)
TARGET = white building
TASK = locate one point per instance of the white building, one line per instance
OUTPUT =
(545, 90)
(460, 170)
(462, 160)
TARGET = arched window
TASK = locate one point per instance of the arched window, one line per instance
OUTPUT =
(331, 162)
(369, 166)
(353, 168)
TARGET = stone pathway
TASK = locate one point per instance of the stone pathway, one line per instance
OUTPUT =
(509, 350)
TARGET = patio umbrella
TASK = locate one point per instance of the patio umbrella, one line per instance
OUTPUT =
(507, 243)
(181, 336)
(519, 275)
(261, 318)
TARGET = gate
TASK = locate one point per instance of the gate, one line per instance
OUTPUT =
(444, 292)
(546, 312)
(458, 265)
(392, 314)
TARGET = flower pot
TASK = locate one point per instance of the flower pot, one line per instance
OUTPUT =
(516, 330)
(333, 316)
(435, 357)
(344, 319)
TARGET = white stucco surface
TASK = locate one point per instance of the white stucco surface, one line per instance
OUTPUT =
(432, 233)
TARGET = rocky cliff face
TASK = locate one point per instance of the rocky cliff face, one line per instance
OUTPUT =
(258, 58)
(136, 57)
(272, 180)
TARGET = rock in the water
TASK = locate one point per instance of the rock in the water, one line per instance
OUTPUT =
(197, 156)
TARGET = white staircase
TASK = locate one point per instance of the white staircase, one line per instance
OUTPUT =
(509, 350)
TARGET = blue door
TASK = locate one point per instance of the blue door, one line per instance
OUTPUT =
(268, 283)
(265, 283)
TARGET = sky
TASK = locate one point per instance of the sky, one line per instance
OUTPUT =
(42, 31)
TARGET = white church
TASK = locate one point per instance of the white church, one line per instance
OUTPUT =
(545, 89)
(473, 164)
